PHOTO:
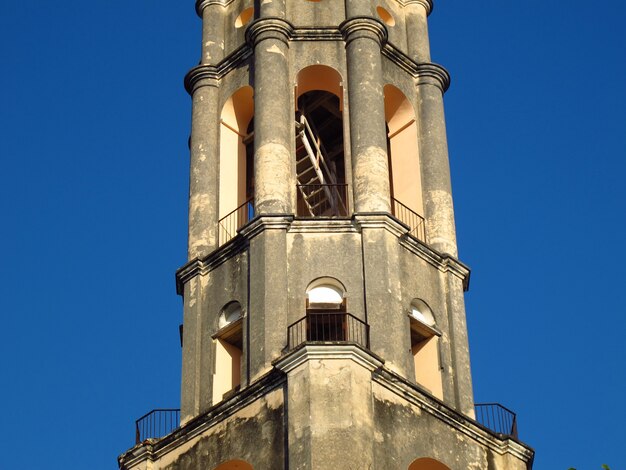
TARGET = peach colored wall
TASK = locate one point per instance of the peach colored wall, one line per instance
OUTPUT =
(227, 369)
(235, 117)
(427, 370)
(319, 77)
(405, 164)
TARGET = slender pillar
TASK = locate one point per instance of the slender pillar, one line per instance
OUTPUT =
(364, 37)
(212, 13)
(204, 148)
(274, 118)
(432, 81)
(417, 12)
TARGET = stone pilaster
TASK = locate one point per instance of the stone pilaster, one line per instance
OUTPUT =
(274, 115)
(432, 81)
(364, 38)
(417, 12)
(202, 84)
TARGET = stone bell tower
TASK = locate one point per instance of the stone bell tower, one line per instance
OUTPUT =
(324, 321)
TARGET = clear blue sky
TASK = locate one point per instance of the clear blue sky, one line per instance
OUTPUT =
(93, 186)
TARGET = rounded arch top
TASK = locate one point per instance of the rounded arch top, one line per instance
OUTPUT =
(231, 312)
(422, 312)
(238, 109)
(234, 465)
(399, 111)
(319, 77)
(427, 464)
(325, 292)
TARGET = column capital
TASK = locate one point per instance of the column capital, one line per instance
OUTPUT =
(201, 75)
(427, 4)
(269, 28)
(363, 27)
(202, 4)
(433, 74)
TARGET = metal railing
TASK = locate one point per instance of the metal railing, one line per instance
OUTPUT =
(322, 200)
(229, 224)
(497, 418)
(417, 227)
(324, 327)
(156, 424)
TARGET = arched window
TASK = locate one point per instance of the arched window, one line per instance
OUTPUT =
(228, 351)
(234, 465)
(425, 347)
(320, 165)
(427, 464)
(404, 163)
(236, 185)
(325, 311)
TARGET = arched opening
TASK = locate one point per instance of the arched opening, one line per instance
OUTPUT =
(427, 464)
(404, 163)
(228, 351)
(234, 465)
(236, 185)
(326, 311)
(320, 159)
(384, 15)
(425, 347)
(244, 17)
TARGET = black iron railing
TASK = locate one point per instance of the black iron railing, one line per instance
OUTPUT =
(411, 218)
(157, 423)
(229, 224)
(324, 327)
(322, 200)
(497, 418)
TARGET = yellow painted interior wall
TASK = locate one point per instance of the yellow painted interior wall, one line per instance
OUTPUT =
(427, 370)
(227, 369)
(405, 162)
(235, 117)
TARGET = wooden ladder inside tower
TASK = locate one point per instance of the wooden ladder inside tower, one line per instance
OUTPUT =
(316, 183)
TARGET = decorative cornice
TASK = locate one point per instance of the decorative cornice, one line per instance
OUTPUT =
(210, 75)
(265, 222)
(202, 266)
(363, 27)
(433, 74)
(462, 423)
(322, 225)
(269, 28)
(328, 352)
(444, 262)
(154, 449)
(382, 220)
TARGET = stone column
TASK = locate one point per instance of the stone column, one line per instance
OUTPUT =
(212, 14)
(432, 81)
(364, 38)
(274, 115)
(417, 12)
(202, 84)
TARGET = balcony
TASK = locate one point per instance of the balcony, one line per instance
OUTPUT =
(417, 227)
(232, 222)
(497, 418)
(328, 327)
(156, 424)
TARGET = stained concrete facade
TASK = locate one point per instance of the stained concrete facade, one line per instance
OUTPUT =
(340, 404)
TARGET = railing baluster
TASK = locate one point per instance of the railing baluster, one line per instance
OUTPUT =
(233, 221)
(498, 418)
